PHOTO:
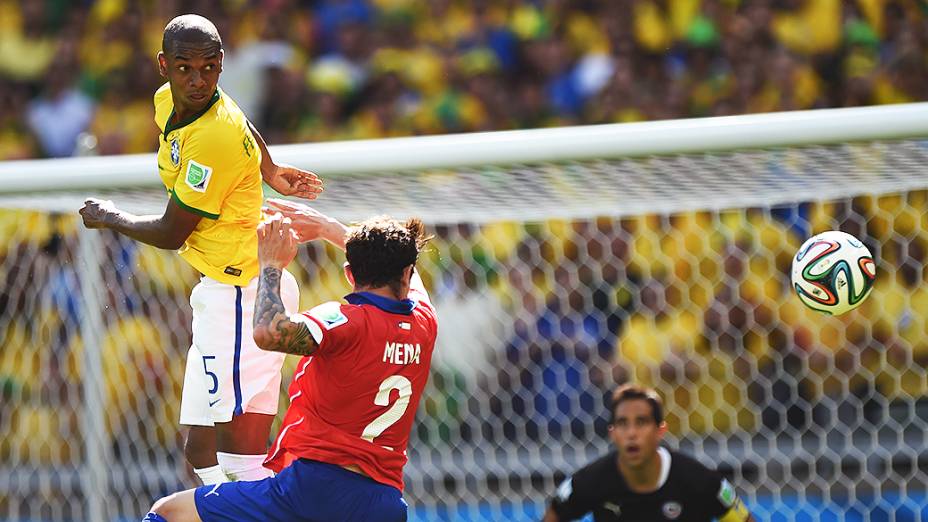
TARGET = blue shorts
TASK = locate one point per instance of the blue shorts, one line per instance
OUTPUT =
(306, 490)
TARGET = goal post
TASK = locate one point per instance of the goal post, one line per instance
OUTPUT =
(565, 261)
(795, 128)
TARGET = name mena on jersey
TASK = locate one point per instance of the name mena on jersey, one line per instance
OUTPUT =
(401, 353)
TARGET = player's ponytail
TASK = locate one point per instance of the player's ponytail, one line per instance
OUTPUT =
(417, 231)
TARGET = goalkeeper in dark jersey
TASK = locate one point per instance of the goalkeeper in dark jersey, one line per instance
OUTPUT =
(641, 480)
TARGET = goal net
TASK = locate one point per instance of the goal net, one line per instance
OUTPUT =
(555, 280)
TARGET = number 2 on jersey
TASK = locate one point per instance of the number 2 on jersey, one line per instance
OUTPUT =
(395, 412)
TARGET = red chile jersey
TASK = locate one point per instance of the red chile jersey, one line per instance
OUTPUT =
(354, 400)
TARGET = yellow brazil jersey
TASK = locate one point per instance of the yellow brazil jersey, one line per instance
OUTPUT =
(211, 166)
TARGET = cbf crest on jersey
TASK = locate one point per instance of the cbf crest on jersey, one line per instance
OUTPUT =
(175, 152)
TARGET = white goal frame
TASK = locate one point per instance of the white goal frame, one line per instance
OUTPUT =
(816, 127)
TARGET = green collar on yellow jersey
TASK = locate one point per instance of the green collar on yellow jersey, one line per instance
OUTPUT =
(168, 128)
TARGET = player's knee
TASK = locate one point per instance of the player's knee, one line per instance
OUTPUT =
(171, 509)
(158, 507)
(162, 508)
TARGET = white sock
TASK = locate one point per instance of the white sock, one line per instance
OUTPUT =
(243, 467)
(211, 475)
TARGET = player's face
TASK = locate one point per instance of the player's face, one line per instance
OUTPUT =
(193, 72)
(635, 433)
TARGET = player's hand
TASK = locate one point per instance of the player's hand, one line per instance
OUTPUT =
(309, 223)
(96, 212)
(293, 181)
(276, 242)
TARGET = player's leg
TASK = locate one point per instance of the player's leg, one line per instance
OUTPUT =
(242, 446)
(200, 450)
(250, 501)
(245, 404)
(304, 490)
(179, 507)
(200, 445)
(266, 500)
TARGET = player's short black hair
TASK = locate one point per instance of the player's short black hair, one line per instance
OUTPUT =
(380, 248)
(634, 391)
(189, 28)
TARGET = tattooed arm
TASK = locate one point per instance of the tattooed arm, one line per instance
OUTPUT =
(273, 329)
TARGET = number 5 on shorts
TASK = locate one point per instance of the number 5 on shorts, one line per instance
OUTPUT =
(395, 412)
(211, 374)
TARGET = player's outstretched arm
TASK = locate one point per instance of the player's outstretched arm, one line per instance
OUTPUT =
(168, 231)
(310, 224)
(273, 329)
(286, 179)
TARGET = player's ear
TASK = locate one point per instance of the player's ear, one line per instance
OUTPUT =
(221, 54)
(162, 64)
(407, 274)
(613, 434)
(348, 275)
(662, 429)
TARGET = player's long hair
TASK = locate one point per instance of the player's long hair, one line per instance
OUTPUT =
(378, 250)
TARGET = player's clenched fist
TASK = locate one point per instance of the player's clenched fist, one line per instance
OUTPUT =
(277, 242)
(95, 212)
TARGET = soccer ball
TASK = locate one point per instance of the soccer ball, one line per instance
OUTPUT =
(833, 272)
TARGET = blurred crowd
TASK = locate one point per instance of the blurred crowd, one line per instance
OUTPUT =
(78, 77)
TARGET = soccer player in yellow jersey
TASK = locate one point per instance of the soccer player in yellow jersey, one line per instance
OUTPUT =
(212, 162)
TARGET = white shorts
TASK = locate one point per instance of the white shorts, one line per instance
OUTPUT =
(227, 374)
